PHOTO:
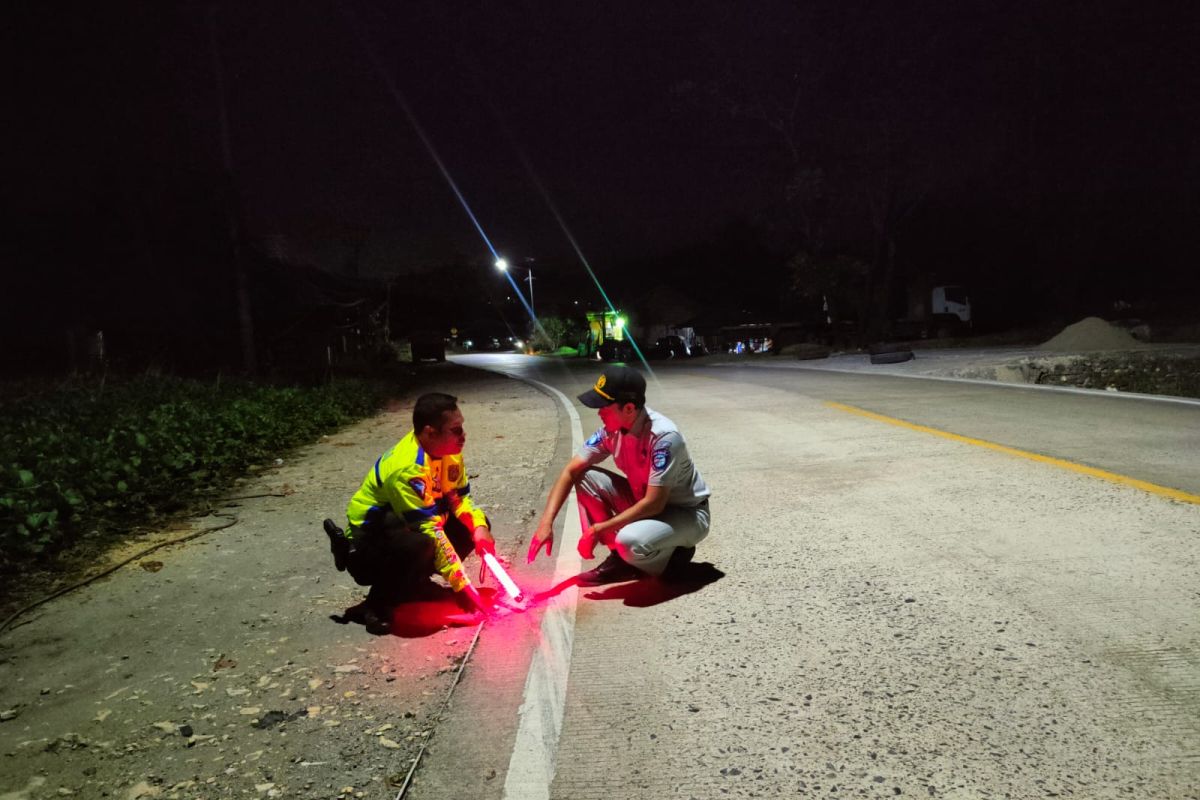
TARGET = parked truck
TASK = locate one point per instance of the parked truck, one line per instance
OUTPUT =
(935, 312)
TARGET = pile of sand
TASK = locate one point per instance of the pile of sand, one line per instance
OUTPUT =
(1092, 333)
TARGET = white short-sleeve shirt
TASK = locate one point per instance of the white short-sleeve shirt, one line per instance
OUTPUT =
(652, 453)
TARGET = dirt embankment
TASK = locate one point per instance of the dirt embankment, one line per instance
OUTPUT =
(1090, 354)
(1169, 374)
(1095, 354)
(1091, 334)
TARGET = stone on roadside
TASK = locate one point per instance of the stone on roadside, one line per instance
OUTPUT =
(141, 790)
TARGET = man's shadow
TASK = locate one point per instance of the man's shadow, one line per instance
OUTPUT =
(437, 607)
(425, 613)
(644, 593)
(648, 592)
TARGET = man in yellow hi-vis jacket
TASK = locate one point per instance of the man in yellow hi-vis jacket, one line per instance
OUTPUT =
(413, 516)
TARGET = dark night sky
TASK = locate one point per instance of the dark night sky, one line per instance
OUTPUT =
(642, 119)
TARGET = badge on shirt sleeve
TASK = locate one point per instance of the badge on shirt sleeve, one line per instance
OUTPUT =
(418, 485)
(660, 458)
(595, 439)
(453, 473)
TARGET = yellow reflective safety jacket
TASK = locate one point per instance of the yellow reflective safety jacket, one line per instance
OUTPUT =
(423, 491)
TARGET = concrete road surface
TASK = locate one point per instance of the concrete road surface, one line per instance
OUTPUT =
(912, 588)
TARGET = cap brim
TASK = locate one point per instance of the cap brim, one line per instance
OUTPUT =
(593, 399)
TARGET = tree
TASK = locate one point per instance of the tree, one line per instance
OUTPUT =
(555, 332)
(831, 289)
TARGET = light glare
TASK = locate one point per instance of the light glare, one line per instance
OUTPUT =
(494, 565)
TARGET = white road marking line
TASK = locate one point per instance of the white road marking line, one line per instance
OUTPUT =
(535, 750)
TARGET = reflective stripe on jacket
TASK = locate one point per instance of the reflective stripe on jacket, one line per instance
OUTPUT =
(423, 491)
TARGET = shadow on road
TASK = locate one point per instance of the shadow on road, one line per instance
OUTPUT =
(420, 618)
(436, 609)
(650, 592)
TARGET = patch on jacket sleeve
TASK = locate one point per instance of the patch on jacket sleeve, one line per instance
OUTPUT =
(418, 485)
(453, 473)
(660, 458)
(595, 439)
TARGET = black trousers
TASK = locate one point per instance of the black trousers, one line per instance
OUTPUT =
(396, 559)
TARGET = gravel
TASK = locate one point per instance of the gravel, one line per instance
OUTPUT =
(224, 672)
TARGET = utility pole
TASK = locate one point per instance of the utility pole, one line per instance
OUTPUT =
(241, 282)
(529, 278)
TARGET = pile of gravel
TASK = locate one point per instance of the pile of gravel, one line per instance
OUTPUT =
(1092, 333)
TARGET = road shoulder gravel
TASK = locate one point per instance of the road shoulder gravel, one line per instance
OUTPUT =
(215, 669)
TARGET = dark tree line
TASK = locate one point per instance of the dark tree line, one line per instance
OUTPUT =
(1043, 153)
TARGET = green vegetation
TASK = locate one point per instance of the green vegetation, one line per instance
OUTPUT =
(556, 332)
(82, 456)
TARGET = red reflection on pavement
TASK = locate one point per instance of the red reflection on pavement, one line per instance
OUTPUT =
(542, 597)
(418, 618)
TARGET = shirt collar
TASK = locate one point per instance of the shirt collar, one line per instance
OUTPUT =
(639, 424)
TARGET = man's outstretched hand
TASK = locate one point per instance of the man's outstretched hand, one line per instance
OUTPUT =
(542, 537)
(587, 545)
(474, 608)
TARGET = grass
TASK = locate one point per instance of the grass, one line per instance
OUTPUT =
(85, 457)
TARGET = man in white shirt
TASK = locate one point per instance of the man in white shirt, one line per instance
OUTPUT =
(654, 515)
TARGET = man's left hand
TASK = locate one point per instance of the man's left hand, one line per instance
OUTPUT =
(587, 544)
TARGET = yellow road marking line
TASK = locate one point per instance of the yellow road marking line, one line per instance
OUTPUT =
(1124, 480)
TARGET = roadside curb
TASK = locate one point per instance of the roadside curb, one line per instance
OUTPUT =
(533, 762)
(1188, 401)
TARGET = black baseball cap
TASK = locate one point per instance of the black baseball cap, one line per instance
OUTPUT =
(616, 385)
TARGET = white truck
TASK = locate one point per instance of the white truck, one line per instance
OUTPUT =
(935, 312)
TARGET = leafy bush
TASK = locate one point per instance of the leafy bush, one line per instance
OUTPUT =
(82, 457)
(556, 332)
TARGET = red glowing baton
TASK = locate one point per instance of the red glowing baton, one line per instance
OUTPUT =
(493, 564)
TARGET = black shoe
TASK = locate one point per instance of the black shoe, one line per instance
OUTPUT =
(377, 622)
(375, 618)
(339, 545)
(356, 613)
(611, 570)
(677, 564)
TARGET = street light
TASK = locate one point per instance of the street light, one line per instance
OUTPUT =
(502, 265)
